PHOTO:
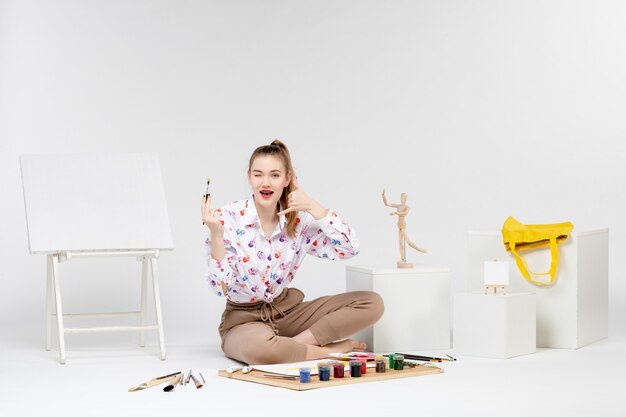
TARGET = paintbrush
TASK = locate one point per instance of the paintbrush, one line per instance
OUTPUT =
(426, 358)
(195, 381)
(287, 377)
(207, 194)
(153, 382)
(177, 379)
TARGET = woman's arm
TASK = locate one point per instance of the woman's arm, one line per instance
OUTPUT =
(218, 250)
(325, 234)
(219, 273)
(212, 218)
(332, 238)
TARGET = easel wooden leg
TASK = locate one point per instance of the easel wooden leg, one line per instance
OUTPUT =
(144, 294)
(495, 289)
(48, 300)
(157, 304)
(59, 308)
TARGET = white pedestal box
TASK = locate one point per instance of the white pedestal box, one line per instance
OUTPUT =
(571, 313)
(417, 307)
(494, 326)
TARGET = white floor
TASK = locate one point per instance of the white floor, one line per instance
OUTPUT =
(94, 382)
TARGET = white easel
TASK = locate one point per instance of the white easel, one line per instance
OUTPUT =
(64, 193)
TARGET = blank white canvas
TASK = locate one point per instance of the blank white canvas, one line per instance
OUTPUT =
(95, 202)
(496, 273)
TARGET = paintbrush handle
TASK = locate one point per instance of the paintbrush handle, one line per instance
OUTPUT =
(153, 382)
(420, 357)
(287, 377)
(149, 384)
(195, 381)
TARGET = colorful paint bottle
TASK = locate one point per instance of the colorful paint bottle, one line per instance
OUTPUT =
(324, 373)
(338, 370)
(391, 361)
(380, 366)
(355, 368)
(363, 366)
(398, 362)
(305, 375)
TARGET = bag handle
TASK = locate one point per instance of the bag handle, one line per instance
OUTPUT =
(523, 266)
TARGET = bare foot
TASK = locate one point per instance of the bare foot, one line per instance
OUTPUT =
(348, 345)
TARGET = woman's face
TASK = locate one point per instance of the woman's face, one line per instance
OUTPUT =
(268, 179)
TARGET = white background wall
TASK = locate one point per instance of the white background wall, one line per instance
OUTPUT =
(476, 109)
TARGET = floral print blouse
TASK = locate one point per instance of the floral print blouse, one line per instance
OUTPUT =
(257, 267)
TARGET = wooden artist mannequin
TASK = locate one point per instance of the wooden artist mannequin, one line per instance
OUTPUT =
(401, 211)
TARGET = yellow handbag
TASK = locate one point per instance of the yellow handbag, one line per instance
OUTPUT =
(518, 237)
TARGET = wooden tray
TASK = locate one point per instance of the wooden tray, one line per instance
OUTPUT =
(371, 375)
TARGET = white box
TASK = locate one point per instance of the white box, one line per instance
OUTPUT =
(494, 326)
(417, 307)
(571, 313)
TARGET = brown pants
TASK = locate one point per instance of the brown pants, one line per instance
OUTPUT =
(261, 333)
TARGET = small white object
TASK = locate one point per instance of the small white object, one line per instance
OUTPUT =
(417, 307)
(496, 273)
(233, 369)
(494, 327)
(573, 312)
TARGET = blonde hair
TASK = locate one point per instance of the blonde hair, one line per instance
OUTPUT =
(279, 149)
